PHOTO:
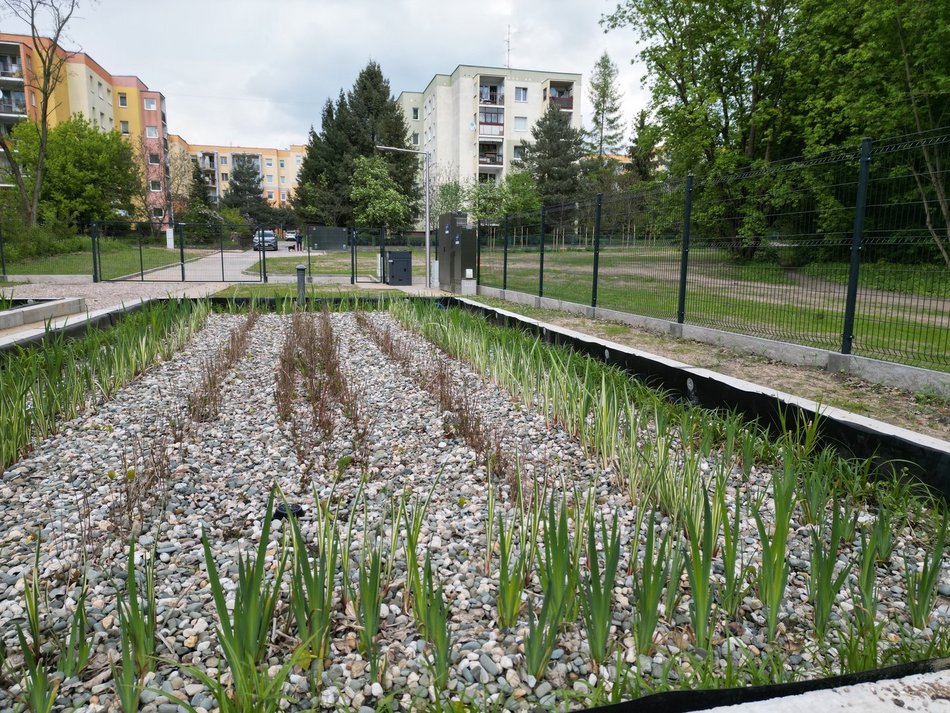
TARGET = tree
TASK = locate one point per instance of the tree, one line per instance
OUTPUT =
(90, 174)
(519, 194)
(483, 199)
(245, 191)
(48, 62)
(377, 198)
(365, 117)
(449, 198)
(643, 148)
(151, 174)
(606, 132)
(553, 157)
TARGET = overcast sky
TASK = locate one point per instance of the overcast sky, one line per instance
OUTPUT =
(257, 73)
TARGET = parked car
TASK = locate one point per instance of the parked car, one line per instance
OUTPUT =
(290, 235)
(265, 240)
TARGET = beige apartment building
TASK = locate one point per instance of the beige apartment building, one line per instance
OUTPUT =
(472, 122)
(277, 168)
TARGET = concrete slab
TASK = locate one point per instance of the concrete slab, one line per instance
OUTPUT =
(40, 312)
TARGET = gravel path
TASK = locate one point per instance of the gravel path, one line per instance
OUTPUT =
(72, 488)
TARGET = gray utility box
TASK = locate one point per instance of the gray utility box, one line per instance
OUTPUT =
(398, 267)
(458, 251)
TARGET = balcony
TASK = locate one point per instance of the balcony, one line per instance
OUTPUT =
(564, 103)
(491, 91)
(491, 130)
(491, 98)
(16, 108)
(490, 159)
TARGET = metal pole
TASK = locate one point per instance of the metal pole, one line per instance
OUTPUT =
(504, 264)
(541, 262)
(95, 252)
(352, 232)
(181, 249)
(478, 250)
(221, 248)
(684, 256)
(3, 257)
(263, 257)
(382, 256)
(593, 288)
(141, 261)
(860, 207)
(428, 259)
(301, 286)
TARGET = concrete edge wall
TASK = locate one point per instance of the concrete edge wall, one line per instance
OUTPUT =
(44, 310)
(908, 378)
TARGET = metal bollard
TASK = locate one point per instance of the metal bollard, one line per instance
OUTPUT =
(301, 287)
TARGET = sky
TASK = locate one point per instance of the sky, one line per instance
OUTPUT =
(257, 73)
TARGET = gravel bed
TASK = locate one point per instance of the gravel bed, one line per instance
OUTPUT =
(221, 476)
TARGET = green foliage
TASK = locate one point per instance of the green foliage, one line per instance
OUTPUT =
(553, 157)
(542, 633)
(597, 587)
(483, 199)
(245, 191)
(511, 575)
(370, 597)
(449, 198)
(773, 575)
(922, 581)
(360, 120)
(519, 193)
(606, 132)
(89, 174)
(824, 584)
(377, 200)
(437, 627)
(648, 582)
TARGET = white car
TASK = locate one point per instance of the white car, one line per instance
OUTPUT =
(290, 235)
(265, 240)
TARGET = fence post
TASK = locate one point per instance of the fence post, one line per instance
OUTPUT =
(3, 256)
(94, 229)
(684, 255)
(504, 264)
(382, 255)
(263, 258)
(860, 205)
(352, 232)
(541, 265)
(597, 208)
(478, 251)
(141, 260)
(221, 250)
(181, 251)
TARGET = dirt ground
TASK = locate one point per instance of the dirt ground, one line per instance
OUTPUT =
(920, 412)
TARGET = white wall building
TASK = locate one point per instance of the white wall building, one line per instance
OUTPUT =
(472, 122)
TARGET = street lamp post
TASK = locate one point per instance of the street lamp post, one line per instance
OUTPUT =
(426, 182)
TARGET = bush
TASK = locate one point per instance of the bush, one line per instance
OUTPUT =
(25, 242)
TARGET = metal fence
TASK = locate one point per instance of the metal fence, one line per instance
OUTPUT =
(845, 251)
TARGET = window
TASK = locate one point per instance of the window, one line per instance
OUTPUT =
(224, 176)
(298, 159)
(224, 161)
(270, 195)
(415, 112)
(521, 94)
(151, 132)
(518, 152)
(124, 128)
(149, 105)
(521, 123)
(283, 195)
(270, 163)
(283, 179)
(101, 96)
(415, 139)
(270, 177)
(153, 159)
(281, 163)
(33, 98)
(123, 99)
(158, 212)
(102, 118)
(155, 185)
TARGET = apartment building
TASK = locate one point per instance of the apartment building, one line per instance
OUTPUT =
(277, 168)
(472, 122)
(111, 102)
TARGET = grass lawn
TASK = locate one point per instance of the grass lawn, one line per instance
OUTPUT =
(114, 263)
(335, 263)
(283, 291)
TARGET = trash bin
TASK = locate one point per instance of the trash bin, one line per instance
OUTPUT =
(399, 267)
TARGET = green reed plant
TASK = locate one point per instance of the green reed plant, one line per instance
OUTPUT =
(244, 630)
(74, 651)
(137, 611)
(648, 582)
(542, 634)
(922, 581)
(865, 593)
(817, 486)
(823, 584)
(736, 567)
(312, 584)
(127, 678)
(558, 568)
(413, 516)
(437, 627)
(512, 570)
(677, 570)
(702, 536)
(39, 688)
(883, 537)
(774, 570)
(370, 597)
(597, 587)
(489, 523)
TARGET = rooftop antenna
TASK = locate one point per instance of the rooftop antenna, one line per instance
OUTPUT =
(508, 43)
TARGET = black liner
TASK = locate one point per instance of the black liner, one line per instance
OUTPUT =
(698, 700)
(928, 465)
